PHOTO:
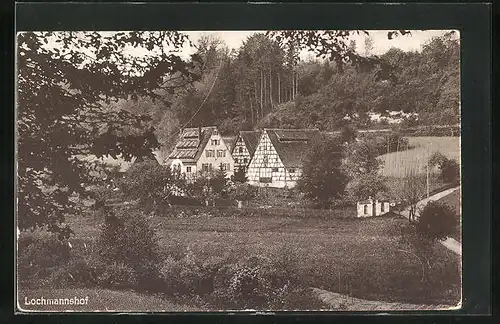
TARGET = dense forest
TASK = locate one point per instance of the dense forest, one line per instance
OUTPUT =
(265, 84)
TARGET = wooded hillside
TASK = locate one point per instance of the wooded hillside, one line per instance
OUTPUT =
(265, 84)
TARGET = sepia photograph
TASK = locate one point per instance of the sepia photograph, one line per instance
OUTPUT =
(238, 170)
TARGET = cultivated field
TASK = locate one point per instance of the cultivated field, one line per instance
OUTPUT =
(356, 257)
(396, 164)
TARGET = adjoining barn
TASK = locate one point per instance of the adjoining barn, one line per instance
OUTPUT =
(200, 149)
(244, 148)
(279, 156)
(372, 207)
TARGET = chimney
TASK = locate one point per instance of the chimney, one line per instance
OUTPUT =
(199, 134)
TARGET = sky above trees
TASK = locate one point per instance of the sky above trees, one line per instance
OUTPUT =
(381, 44)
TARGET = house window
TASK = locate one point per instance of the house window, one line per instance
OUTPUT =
(382, 207)
(265, 160)
(188, 169)
(215, 132)
(204, 167)
(292, 170)
(240, 149)
(224, 166)
(245, 160)
(275, 169)
(365, 209)
(210, 153)
(221, 153)
(236, 160)
(215, 142)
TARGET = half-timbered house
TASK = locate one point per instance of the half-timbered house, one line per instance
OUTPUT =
(244, 148)
(200, 149)
(278, 158)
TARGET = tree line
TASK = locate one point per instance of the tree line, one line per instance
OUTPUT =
(264, 83)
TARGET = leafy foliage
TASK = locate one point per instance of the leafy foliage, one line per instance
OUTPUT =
(152, 184)
(322, 177)
(38, 256)
(243, 192)
(240, 175)
(64, 81)
(450, 169)
(361, 158)
(436, 221)
(210, 185)
(367, 185)
(129, 244)
(348, 134)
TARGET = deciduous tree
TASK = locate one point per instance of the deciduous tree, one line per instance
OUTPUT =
(322, 177)
(64, 79)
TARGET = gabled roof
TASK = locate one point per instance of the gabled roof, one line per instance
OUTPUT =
(251, 140)
(189, 146)
(292, 144)
(230, 142)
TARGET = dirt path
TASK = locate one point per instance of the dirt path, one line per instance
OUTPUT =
(345, 303)
(450, 243)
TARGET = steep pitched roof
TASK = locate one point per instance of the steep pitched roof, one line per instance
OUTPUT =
(292, 144)
(189, 146)
(251, 140)
(230, 142)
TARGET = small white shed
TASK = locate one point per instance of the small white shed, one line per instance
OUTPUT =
(371, 207)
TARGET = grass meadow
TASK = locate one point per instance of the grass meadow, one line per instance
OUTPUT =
(358, 257)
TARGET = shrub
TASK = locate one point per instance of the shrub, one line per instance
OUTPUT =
(151, 183)
(323, 178)
(348, 134)
(436, 221)
(240, 175)
(450, 171)
(128, 241)
(38, 255)
(117, 275)
(243, 192)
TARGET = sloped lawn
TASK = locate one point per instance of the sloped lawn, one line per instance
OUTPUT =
(357, 257)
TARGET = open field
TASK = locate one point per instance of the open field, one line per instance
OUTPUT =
(397, 163)
(357, 257)
(99, 300)
(453, 200)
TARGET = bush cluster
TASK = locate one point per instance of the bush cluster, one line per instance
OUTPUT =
(252, 282)
(126, 256)
(38, 256)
